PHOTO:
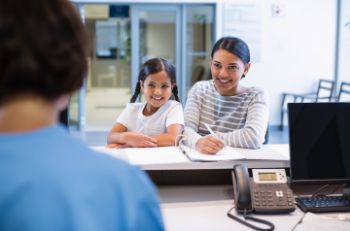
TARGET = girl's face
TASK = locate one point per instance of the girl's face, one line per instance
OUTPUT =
(156, 89)
(227, 70)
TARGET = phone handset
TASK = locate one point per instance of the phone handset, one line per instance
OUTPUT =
(241, 187)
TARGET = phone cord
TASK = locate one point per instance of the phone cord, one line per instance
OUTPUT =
(270, 225)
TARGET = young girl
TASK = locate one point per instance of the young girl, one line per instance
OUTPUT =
(157, 121)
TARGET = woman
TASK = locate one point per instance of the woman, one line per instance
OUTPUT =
(238, 115)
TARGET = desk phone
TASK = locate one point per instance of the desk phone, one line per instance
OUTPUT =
(266, 192)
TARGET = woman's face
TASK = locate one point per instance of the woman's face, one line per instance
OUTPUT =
(227, 70)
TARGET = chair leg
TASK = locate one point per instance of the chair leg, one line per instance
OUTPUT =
(281, 125)
(282, 111)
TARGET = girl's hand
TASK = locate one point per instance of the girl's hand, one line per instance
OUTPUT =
(209, 145)
(134, 139)
(114, 145)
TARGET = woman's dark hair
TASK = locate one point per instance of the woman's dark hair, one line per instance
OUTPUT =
(233, 45)
(154, 66)
(43, 49)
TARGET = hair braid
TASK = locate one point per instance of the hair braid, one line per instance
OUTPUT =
(175, 93)
(136, 93)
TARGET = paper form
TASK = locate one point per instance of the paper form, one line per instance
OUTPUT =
(159, 155)
(173, 155)
(226, 153)
(229, 153)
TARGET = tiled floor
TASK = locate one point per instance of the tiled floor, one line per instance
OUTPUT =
(98, 138)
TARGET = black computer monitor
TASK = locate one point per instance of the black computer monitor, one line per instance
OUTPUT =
(319, 139)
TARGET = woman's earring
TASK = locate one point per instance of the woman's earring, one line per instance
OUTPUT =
(243, 76)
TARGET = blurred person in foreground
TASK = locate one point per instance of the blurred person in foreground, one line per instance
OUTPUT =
(50, 181)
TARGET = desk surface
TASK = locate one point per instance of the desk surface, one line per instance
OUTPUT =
(282, 149)
(205, 207)
(150, 160)
(175, 169)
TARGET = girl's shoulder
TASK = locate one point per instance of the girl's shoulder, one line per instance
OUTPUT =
(134, 107)
(172, 103)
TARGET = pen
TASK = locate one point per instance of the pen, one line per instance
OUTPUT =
(211, 132)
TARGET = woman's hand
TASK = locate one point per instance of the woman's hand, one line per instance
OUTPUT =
(209, 145)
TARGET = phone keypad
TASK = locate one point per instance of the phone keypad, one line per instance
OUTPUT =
(272, 197)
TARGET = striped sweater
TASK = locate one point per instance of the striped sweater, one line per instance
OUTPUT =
(240, 120)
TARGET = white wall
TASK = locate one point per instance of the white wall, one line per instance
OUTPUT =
(297, 48)
(344, 45)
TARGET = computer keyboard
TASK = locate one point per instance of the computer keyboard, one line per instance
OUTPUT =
(319, 204)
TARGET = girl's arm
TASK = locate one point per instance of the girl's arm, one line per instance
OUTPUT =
(121, 137)
(169, 138)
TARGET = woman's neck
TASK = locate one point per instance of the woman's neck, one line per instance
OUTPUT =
(233, 92)
(26, 114)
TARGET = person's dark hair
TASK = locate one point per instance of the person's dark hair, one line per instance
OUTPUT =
(153, 66)
(43, 49)
(233, 45)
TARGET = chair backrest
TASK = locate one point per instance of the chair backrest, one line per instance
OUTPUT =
(267, 134)
(325, 90)
(197, 74)
(344, 92)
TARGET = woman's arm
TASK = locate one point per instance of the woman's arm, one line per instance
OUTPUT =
(191, 116)
(204, 144)
(251, 135)
(120, 136)
(253, 132)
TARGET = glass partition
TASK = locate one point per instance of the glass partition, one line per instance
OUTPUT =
(122, 37)
(199, 42)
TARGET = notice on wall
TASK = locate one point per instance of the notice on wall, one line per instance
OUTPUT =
(243, 19)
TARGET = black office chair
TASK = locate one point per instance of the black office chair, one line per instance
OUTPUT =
(324, 93)
(267, 134)
(197, 74)
(344, 92)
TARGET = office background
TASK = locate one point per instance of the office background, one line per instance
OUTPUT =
(293, 44)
